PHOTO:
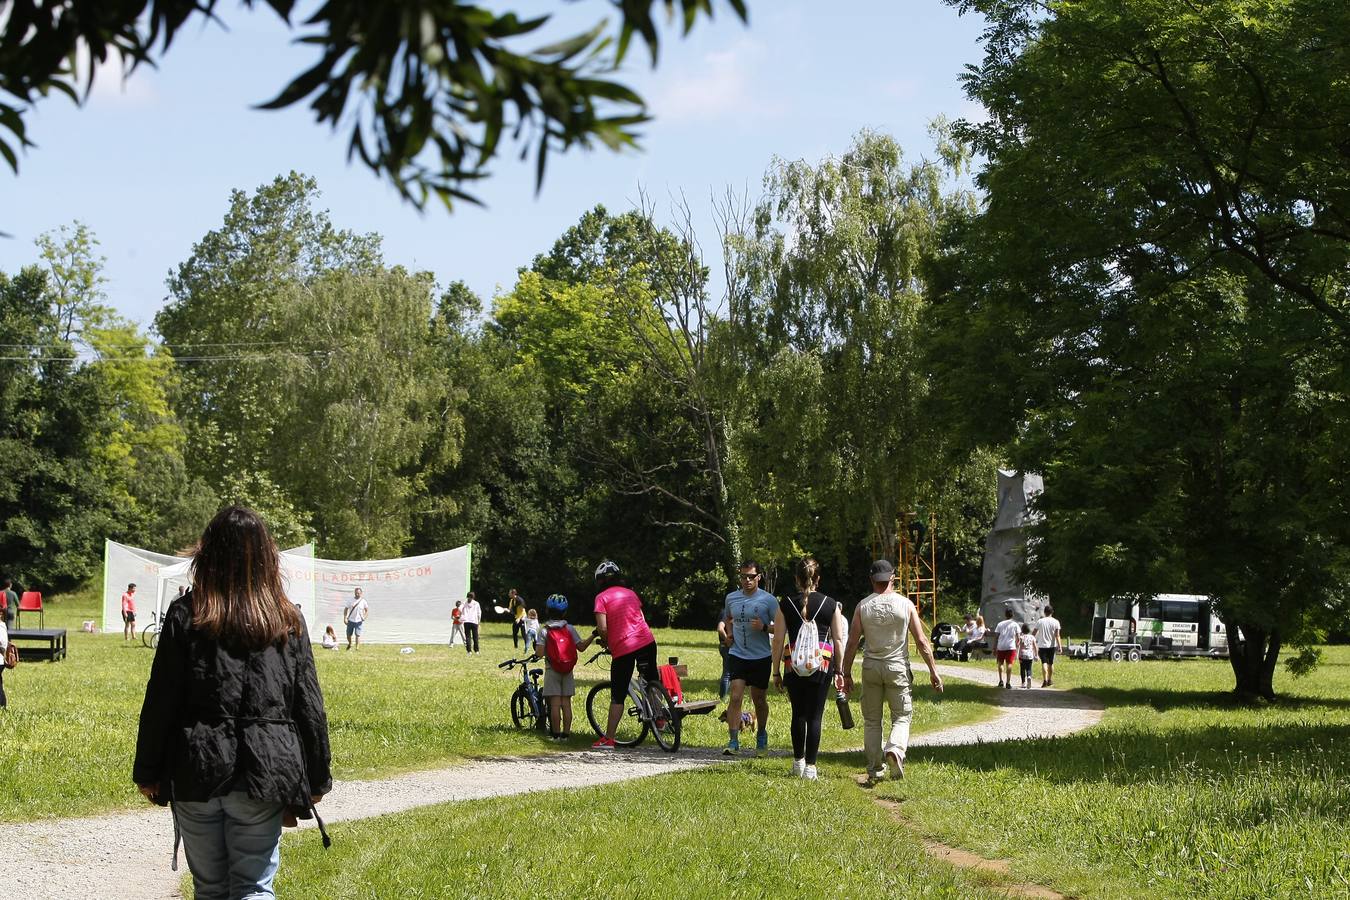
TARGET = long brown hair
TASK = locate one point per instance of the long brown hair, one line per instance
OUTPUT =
(237, 593)
(807, 577)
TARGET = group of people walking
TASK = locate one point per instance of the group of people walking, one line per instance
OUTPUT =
(808, 647)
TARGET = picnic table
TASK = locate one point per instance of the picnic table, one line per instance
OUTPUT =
(53, 638)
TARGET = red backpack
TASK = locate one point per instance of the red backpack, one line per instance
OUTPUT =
(560, 649)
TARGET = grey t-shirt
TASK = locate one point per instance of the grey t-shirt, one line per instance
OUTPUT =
(885, 626)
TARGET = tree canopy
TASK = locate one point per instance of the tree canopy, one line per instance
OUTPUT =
(428, 89)
(1150, 306)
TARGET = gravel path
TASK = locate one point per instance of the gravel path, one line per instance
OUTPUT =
(105, 855)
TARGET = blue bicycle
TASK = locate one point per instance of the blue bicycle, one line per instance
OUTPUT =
(528, 709)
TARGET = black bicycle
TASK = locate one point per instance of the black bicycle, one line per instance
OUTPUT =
(648, 709)
(528, 709)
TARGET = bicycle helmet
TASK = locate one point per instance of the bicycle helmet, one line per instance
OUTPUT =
(556, 603)
(608, 568)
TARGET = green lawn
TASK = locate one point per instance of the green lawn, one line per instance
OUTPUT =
(742, 830)
(1180, 792)
(75, 721)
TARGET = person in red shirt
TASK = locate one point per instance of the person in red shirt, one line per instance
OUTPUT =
(129, 613)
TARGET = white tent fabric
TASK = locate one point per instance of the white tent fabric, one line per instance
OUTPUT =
(158, 576)
(410, 599)
(1004, 550)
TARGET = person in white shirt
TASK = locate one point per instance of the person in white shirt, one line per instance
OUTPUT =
(1026, 654)
(974, 637)
(1005, 650)
(355, 615)
(1048, 639)
(471, 615)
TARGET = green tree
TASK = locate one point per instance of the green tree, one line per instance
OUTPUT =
(1195, 136)
(1150, 308)
(415, 82)
(307, 386)
(833, 436)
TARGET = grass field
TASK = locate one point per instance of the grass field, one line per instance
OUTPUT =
(75, 721)
(1178, 793)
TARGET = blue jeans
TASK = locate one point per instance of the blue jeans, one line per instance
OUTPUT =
(232, 844)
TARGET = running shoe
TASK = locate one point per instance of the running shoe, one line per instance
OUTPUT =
(895, 765)
(732, 748)
(604, 744)
(798, 767)
(809, 773)
(762, 744)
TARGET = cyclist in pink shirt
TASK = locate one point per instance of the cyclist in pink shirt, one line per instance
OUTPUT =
(619, 620)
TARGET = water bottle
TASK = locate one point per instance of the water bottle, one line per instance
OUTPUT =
(845, 713)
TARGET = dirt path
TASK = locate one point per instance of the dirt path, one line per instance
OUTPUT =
(127, 854)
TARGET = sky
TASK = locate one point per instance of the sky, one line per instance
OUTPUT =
(149, 163)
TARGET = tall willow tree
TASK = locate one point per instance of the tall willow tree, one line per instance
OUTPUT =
(833, 434)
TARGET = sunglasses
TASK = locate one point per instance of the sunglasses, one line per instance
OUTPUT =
(745, 577)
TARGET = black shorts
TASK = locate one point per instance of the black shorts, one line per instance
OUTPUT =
(128, 618)
(1048, 656)
(621, 671)
(754, 672)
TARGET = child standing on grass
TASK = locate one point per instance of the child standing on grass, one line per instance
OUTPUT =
(456, 624)
(1026, 653)
(562, 644)
(532, 631)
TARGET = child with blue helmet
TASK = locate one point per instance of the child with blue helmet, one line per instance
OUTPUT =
(561, 645)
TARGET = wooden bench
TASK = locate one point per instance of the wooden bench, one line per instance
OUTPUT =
(53, 638)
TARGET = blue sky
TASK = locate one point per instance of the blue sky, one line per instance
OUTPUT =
(149, 164)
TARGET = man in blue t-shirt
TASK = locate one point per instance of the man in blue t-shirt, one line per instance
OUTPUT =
(746, 628)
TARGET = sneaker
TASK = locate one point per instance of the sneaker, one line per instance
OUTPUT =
(762, 744)
(604, 744)
(1000, 682)
(732, 748)
(895, 765)
(809, 773)
(1008, 684)
(798, 767)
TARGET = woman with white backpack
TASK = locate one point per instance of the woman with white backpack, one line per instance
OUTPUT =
(815, 624)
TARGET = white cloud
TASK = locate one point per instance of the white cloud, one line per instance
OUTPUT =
(719, 86)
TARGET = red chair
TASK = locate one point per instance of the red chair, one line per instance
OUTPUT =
(31, 601)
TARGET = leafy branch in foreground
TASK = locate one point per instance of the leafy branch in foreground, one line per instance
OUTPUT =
(427, 87)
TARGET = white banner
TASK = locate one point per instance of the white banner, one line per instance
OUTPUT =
(410, 599)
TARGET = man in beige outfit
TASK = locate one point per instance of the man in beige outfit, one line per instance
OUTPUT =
(886, 619)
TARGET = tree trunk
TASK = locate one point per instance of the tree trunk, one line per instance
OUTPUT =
(1253, 660)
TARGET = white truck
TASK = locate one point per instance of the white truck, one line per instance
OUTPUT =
(1164, 625)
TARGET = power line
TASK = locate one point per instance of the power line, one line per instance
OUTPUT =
(311, 354)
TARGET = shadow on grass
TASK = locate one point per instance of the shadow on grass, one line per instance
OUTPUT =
(1126, 756)
(1165, 699)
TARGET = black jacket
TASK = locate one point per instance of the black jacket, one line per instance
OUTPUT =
(218, 719)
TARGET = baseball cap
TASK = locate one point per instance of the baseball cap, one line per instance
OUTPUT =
(882, 570)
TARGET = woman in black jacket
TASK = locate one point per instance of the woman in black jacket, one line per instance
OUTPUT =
(233, 731)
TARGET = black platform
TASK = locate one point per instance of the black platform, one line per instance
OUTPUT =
(54, 640)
